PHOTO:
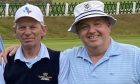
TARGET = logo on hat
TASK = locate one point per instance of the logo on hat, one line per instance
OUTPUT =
(27, 10)
(87, 7)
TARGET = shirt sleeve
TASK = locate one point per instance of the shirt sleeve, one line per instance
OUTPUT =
(64, 67)
(138, 65)
(1, 72)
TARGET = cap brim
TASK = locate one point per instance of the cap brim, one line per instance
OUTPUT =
(26, 16)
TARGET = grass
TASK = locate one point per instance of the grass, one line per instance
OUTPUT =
(64, 43)
(134, 40)
(55, 43)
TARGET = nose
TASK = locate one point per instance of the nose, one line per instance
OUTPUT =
(92, 29)
(27, 31)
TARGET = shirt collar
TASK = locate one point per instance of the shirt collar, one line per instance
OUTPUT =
(111, 51)
(43, 53)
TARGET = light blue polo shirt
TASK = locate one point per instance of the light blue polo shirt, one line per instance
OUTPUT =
(2, 65)
(119, 65)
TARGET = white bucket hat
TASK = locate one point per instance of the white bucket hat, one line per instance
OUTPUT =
(29, 10)
(89, 9)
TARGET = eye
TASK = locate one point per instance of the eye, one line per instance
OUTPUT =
(97, 24)
(33, 27)
(83, 27)
(21, 28)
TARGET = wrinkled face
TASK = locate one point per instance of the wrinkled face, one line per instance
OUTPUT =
(94, 32)
(29, 31)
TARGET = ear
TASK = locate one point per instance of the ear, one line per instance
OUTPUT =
(14, 30)
(44, 30)
(109, 28)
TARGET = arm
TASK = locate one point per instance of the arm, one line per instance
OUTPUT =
(9, 50)
(1, 71)
(63, 67)
(138, 65)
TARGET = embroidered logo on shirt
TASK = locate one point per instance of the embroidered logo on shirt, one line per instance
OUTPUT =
(45, 77)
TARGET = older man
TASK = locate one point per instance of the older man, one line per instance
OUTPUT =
(33, 63)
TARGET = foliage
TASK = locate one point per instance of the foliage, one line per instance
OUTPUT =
(88, 0)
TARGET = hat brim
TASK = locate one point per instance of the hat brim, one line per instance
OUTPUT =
(73, 27)
(29, 16)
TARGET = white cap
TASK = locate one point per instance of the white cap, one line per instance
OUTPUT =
(29, 10)
(89, 9)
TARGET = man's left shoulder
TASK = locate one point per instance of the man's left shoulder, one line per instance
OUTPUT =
(129, 47)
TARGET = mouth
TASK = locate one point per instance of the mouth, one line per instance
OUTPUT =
(28, 40)
(93, 37)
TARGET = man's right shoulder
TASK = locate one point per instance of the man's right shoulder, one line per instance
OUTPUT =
(73, 49)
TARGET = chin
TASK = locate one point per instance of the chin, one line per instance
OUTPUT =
(28, 45)
(94, 44)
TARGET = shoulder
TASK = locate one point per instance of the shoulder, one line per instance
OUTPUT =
(53, 53)
(130, 50)
(73, 50)
(123, 46)
(127, 47)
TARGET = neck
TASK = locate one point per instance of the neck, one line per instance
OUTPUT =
(30, 52)
(97, 53)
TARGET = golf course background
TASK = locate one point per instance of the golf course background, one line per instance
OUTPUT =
(126, 30)
(87, 0)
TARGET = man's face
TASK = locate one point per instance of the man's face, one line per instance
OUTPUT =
(29, 31)
(94, 32)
